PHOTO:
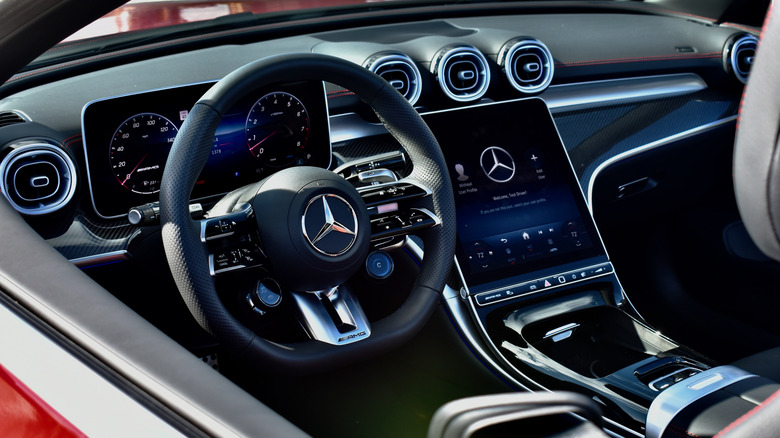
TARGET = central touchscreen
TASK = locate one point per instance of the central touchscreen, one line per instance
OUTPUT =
(519, 206)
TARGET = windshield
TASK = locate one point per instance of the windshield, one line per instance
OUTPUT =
(150, 14)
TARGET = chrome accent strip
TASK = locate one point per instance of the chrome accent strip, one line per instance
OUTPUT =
(351, 126)
(556, 333)
(650, 146)
(436, 219)
(611, 90)
(677, 397)
(99, 259)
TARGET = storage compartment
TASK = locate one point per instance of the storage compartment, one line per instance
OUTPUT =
(593, 342)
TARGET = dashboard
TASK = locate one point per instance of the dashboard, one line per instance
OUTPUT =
(529, 110)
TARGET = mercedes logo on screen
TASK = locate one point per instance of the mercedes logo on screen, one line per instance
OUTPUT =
(497, 164)
(330, 224)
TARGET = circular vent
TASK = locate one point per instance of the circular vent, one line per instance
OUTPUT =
(399, 71)
(462, 72)
(37, 178)
(528, 64)
(740, 58)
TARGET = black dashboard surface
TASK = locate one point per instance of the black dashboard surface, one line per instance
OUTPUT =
(593, 130)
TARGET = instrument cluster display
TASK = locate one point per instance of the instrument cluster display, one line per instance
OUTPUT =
(127, 140)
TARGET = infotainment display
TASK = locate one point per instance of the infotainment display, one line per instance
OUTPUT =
(519, 206)
(127, 140)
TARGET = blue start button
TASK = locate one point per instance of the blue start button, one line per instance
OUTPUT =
(379, 265)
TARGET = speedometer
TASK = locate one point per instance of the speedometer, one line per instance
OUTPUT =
(277, 129)
(139, 149)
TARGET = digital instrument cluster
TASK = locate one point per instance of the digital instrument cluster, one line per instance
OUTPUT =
(127, 140)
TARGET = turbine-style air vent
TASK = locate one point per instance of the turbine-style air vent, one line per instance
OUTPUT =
(399, 71)
(37, 178)
(462, 72)
(12, 118)
(528, 64)
(739, 59)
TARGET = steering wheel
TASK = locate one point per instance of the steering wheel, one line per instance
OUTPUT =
(314, 227)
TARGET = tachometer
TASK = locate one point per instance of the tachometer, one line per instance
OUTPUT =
(277, 129)
(139, 149)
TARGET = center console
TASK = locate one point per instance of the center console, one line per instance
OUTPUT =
(535, 292)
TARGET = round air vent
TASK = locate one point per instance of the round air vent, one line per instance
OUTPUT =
(399, 71)
(462, 72)
(37, 178)
(528, 64)
(739, 59)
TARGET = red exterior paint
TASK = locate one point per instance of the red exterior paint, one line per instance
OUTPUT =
(24, 414)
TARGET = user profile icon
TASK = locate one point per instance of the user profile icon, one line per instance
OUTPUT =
(461, 172)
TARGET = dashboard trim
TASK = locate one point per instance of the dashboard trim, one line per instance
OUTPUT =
(350, 126)
(651, 146)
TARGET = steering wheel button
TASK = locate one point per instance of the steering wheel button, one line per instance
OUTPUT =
(379, 265)
(269, 292)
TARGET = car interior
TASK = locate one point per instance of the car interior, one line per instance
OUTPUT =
(404, 218)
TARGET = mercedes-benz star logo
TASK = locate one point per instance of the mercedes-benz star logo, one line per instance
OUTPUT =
(330, 224)
(497, 164)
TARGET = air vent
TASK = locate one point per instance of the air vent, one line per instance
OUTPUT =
(12, 117)
(462, 72)
(37, 178)
(739, 59)
(399, 71)
(528, 64)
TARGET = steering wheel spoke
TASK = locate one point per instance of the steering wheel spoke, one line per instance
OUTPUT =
(333, 316)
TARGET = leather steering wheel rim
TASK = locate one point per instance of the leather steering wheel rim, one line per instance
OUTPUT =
(187, 256)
